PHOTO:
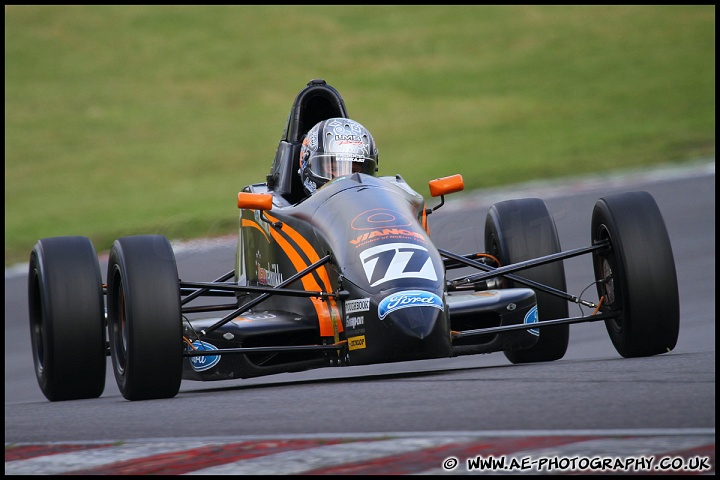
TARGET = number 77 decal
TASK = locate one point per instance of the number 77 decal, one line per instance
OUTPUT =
(392, 261)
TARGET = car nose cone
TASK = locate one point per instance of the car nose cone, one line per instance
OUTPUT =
(416, 322)
(413, 312)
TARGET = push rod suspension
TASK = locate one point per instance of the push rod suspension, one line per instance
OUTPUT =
(246, 350)
(491, 272)
(231, 287)
(264, 296)
(529, 326)
(204, 289)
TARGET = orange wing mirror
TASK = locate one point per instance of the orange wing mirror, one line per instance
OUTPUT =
(258, 201)
(444, 186)
(255, 201)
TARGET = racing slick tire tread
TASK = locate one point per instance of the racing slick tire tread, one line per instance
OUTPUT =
(145, 317)
(522, 229)
(67, 325)
(644, 281)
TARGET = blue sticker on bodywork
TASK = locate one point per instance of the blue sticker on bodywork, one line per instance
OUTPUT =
(532, 317)
(406, 299)
(200, 364)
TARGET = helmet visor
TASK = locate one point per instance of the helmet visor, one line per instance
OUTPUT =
(329, 166)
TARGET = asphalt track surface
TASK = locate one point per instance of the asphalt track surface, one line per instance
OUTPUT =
(591, 411)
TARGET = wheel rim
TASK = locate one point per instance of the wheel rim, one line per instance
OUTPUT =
(36, 324)
(123, 331)
(609, 282)
(119, 324)
(607, 287)
(494, 250)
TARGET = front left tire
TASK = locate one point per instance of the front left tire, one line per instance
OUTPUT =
(145, 317)
(636, 274)
(522, 229)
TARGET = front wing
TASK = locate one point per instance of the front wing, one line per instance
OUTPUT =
(268, 342)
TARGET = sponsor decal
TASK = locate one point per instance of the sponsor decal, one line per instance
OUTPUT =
(200, 364)
(532, 317)
(392, 261)
(269, 276)
(359, 305)
(407, 299)
(352, 322)
(254, 316)
(376, 218)
(349, 138)
(310, 185)
(385, 233)
(356, 343)
(486, 293)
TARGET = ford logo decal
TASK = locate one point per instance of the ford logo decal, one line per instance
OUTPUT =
(407, 299)
(532, 317)
(200, 364)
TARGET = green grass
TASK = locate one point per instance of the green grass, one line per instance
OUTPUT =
(124, 120)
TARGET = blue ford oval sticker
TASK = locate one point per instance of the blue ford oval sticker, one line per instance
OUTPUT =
(200, 364)
(532, 317)
(407, 299)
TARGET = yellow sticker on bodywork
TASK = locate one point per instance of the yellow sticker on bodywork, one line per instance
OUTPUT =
(356, 343)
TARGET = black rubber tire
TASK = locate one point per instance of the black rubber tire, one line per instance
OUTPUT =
(518, 230)
(145, 317)
(67, 321)
(643, 287)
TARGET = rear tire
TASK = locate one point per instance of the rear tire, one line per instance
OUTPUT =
(145, 317)
(67, 324)
(640, 268)
(518, 230)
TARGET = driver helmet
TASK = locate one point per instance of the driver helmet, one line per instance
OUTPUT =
(334, 148)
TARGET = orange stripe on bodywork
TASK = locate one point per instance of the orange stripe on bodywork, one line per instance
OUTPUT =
(250, 223)
(424, 220)
(308, 250)
(328, 326)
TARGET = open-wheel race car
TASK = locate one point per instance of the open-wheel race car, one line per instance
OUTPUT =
(345, 276)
